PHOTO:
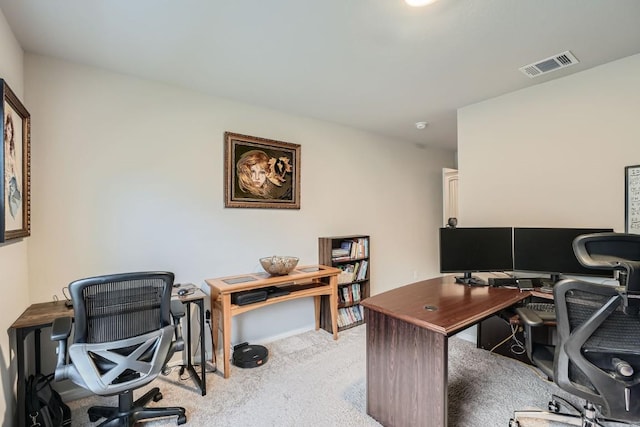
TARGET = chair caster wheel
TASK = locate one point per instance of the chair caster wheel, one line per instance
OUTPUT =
(514, 423)
(157, 397)
(182, 419)
(94, 418)
(553, 406)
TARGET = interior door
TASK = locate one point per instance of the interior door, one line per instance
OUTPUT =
(449, 194)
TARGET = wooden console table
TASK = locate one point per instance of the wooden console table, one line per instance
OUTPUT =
(309, 281)
(407, 345)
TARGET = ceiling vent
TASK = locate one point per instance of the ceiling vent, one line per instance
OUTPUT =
(561, 60)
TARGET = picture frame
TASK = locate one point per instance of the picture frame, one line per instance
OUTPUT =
(15, 162)
(261, 173)
(632, 199)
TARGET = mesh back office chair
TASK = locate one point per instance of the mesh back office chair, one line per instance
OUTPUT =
(124, 335)
(597, 356)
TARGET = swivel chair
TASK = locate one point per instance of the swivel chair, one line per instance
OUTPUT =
(597, 355)
(126, 330)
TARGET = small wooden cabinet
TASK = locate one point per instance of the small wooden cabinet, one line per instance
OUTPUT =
(351, 255)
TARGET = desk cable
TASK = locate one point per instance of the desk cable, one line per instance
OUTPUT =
(517, 347)
(67, 297)
(198, 344)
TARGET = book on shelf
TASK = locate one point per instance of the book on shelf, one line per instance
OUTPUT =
(353, 272)
(340, 253)
(362, 271)
(350, 315)
(351, 249)
(360, 248)
(349, 294)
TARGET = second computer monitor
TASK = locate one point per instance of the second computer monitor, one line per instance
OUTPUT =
(550, 250)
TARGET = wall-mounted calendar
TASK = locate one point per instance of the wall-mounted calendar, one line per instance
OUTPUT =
(632, 199)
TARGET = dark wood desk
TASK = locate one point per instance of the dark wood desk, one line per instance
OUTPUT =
(39, 316)
(407, 345)
(33, 319)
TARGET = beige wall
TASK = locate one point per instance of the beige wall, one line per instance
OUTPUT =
(128, 175)
(553, 154)
(13, 254)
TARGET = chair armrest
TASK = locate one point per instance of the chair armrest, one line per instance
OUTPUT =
(177, 309)
(529, 317)
(177, 313)
(60, 331)
(61, 328)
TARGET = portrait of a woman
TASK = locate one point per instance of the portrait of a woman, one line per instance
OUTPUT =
(11, 165)
(263, 176)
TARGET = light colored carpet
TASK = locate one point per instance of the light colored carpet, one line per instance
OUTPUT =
(312, 380)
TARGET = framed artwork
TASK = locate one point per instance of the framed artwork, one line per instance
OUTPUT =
(15, 162)
(632, 199)
(260, 173)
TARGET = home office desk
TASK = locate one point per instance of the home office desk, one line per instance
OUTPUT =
(407, 345)
(39, 316)
(313, 280)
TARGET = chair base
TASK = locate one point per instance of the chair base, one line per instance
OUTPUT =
(129, 412)
(585, 417)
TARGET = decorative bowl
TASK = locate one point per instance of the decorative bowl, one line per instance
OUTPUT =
(279, 265)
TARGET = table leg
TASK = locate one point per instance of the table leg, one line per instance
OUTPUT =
(203, 364)
(216, 312)
(188, 334)
(36, 349)
(316, 302)
(226, 333)
(333, 305)
(405, 364)
(21, 385)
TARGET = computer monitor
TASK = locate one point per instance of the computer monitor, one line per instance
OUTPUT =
(475, 249)
(550, 251)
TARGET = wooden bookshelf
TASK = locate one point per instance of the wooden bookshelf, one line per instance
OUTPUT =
(351, 255)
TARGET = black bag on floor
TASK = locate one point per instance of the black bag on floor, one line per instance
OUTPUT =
(44, 405)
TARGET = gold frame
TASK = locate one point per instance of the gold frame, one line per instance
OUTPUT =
(277, 181)
(15, 163)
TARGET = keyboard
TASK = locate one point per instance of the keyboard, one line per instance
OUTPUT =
(541, 306)
(545, 310)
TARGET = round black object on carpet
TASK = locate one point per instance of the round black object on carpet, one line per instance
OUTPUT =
(247, 355)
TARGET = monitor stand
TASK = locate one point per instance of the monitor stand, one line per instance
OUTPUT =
(550, 282)
(470, 280)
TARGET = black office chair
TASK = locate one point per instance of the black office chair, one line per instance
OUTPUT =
(597, 356)
(126, 330)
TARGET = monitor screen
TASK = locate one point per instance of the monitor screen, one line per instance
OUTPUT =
(550, 250)
(469, 249)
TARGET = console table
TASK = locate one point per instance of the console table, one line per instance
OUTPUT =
(407, 345)
(309, 281)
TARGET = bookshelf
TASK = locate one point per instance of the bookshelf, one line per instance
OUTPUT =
(351, 255)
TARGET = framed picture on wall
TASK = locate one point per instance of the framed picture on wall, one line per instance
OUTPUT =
(632, 199)
(15, 163)
(261, 173)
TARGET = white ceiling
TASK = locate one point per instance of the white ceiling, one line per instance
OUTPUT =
(376, 65)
